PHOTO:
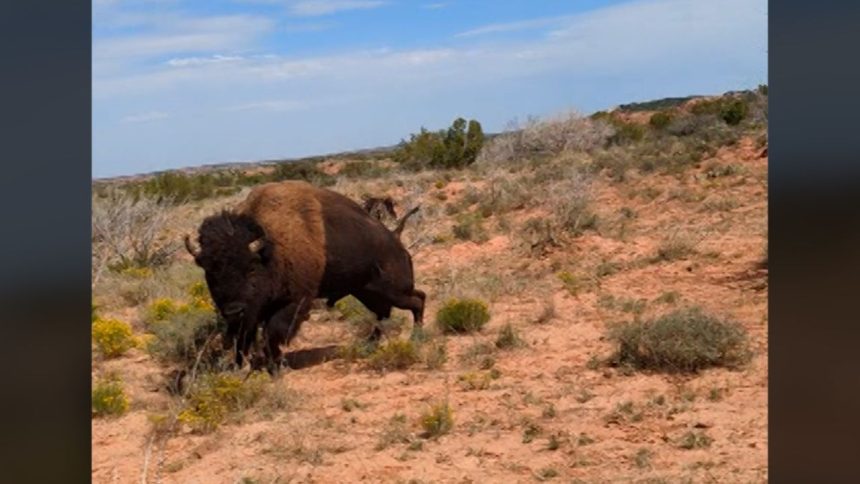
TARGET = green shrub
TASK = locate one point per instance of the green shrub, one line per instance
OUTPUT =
(660, 120)
(734, 111)
(685, 340)
(394, 355)
(470, 226)
(456, 147)
(438, 420)
(214, 397)
(112, 337)
(674, 247)
(462, 316)
(435, 354)
(305, 170)
(180, 337)
(627, 132)
(695, 440)
(179, 187)
(508, 338)
(351, 309)
(161, 310)
(108, 398)
(474, 381)
(200, 298)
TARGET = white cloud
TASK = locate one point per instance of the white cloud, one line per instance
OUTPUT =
(434, 6)
(275, 106)
(514, 26)
(182, 35)
(198, 61)
(308, 27)
(145, 117)
(313, 8)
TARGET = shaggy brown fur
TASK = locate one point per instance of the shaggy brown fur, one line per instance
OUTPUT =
(289, 243)
(378, 207)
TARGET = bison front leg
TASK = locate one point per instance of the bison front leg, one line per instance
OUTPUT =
(281, 328)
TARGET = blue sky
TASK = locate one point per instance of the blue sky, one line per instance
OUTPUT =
(181, 83)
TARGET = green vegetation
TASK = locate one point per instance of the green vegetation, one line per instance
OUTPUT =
(508, 338)
(685, 340)
(660, 120)
(456, 147)
(462, 316)
(394, 355)
(108, 398)
(438, 420)
(183, 336)
(112, 337)
(470, 226)
(214, 398)
(695, 440)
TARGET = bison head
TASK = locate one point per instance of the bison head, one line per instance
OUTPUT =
(233, 253)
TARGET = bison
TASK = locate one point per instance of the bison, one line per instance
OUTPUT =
(289, 243)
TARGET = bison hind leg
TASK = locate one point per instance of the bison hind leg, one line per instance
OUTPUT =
(378, 305)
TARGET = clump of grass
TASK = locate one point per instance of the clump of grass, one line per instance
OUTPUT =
(624, 412)
(668, 297)
(470, 226)
(112, 337)
(624, 304)
(183, 335)
(163, 309)
(508, 338)
(584, 439)
(643, 457)
(352, 310)
(474, 381)
(160, 310)
(480, 353)
(674, 247)
(462, 316)
(394, 355)
(215, 397)
(716, 394)
(607, 268)
(394, 432)
(435, 355)
(572, 282)
(546, 473)
(584, 396)
(438, 420)
(108, 398)
(660, 119)
(547, 312)
(685, 340)
(349, 404)
(695, 440)
(358, 350)
(530, 431)
(136, 272)
(200, 298)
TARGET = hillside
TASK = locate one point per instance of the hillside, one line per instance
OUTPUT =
(565, 229)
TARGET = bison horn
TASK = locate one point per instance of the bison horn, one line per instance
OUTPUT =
(190, 247)
(230, 229)
(256, 245)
